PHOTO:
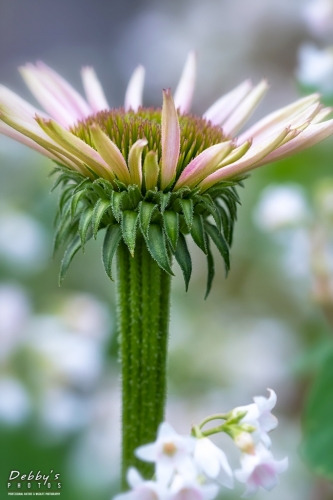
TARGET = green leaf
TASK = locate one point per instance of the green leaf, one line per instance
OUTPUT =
(317, 445)
(211, 269)
(171, 227)
(135, 196)
(198, 233)
(63, 178)
(187, 208)
(146, 211)
(128, 225)
(227, 224)
(156, 246)
(164, 199)
(84, 224)
(73, 247)
(99, 210)
(183, 258)
(220, 243)
(111, 241)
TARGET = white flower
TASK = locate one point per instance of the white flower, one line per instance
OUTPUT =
(315, 68)
(318, 14)
(260, 469)
(142, 490)
(190, 489)
(170, 452)
(213, 462)
(281, 206)
(259, 415)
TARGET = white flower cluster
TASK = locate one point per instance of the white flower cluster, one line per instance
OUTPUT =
(194, 468)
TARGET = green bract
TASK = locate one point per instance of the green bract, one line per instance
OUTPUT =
(162, 219)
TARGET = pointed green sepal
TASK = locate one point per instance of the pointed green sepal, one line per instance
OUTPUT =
(157, 248)
(129, 223)
(135, 196)
(75, 201)
(99, 191)
(184, 260)
(210, 270)
(71, 250)
(84, 224)
(212, 210)
(111, 241)
(220, 243)
(62, 231)
(171, 227)
(146, 211)
(198, 233)
(82, 185)
(99, 210)
(116, 204)
(227, 224)
(187, 208)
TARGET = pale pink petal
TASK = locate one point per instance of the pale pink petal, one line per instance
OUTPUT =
(266, 404)
(236, 154)
(50, 102)
(279, 117)
(134, 91)
(323, 113)
(133, 477)
(166, 431)
(247, 162)
(93, 90)
(76, 146)
(281, 465)
(313, 134)
(151, 170)
(245, 109)
(36, 134)
(135, 161)
(17, 136)
(66, 92)
(226, 104)
(15, 104)
(111, 154)
(170, 140)
(203, 165)
(185, 89)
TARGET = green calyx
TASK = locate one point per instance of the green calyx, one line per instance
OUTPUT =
(163, 221)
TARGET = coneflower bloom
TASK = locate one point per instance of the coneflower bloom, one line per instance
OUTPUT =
(160, 167)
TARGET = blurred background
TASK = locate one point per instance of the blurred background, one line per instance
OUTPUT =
(270, 324)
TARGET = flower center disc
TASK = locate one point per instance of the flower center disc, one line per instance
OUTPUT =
(125, 128)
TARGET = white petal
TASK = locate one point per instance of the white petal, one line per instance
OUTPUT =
(241, 114)
(93, 90)
(133, 95)
(224, 106)
(281, 465)
(133, 477)
(147, 452)
(165, 430)
(185, 89)
(164, 470)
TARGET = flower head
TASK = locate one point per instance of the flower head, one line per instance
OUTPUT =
(260, 469)
(153, 173)
(259, 415)
(170, 452)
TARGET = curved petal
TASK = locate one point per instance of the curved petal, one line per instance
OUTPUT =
(247, 162)
(203, 165)
(226, 104)
(135, 161)
(279, 117)
(56, 95)
(76, 146)
(15, 104)
(170, 140)
(110, 154)
(134, 91)
(314, 133)
(151, 170)
(245, 109)
(185, 89)
(93, 90)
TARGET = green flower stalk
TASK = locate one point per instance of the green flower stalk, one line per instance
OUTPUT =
(151, 178)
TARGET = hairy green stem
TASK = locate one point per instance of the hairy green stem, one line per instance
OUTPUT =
(143, 298)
